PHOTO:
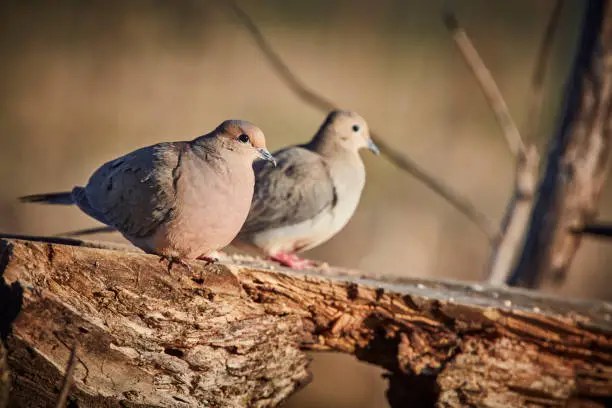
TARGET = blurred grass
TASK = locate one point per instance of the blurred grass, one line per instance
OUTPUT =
(83, 82)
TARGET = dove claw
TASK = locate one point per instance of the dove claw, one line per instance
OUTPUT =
(174, 260)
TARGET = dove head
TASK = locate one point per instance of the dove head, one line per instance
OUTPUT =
(243, 138)
(343, 131)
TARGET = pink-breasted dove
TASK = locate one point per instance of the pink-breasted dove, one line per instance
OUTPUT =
(180, 200)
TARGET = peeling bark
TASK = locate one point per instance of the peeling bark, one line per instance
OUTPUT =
(234, 334)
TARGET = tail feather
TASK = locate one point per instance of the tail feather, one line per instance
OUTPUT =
(63, 198)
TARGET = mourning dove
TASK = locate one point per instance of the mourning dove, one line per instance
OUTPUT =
(310, 195)
(180, 200)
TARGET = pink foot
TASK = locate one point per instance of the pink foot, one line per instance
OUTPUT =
(292, 261)
(208, 259)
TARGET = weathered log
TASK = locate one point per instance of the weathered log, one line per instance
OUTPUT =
(234, 334)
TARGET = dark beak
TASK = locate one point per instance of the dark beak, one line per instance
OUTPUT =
(266, 155)
(372, 147)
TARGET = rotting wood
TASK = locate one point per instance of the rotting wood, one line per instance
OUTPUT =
(233, 335)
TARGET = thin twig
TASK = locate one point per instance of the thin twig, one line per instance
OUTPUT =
(487, 85)
(87, 231)
(307, 95)
(598, 229)
(539, 73)
(461, 203)
(515, 222)
(74, 242)
(68, 378)
(314, 99)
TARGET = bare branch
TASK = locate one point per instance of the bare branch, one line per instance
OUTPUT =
(278, 64)
(314, 99)
(68, 378)
(516, 218)
(507, 244)
(539, 72)
(487, 85)
(598, 229)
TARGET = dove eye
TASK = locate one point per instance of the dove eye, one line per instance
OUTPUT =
(355, 128)
(243, 138)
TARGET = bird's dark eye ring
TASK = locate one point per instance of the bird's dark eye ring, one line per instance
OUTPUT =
(244, 138)
(355, 128)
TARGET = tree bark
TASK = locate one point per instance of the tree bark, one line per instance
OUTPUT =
(234, 334)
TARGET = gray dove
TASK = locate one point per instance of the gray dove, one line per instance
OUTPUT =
(180, 200)
(310, 195)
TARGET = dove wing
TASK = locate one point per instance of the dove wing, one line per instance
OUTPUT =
(136, 192)
(297, 189)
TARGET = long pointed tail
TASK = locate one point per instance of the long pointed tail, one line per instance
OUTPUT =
(88, 231)
(63, 198)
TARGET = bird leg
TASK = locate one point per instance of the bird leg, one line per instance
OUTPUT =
(172, 260)
(292, 260)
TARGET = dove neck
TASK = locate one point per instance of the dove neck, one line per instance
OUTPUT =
(328, 147)
(205, 147)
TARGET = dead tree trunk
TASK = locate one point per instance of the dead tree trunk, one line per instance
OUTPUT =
(578, 158)
(233, 335)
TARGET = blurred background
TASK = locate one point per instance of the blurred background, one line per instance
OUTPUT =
(84, 82)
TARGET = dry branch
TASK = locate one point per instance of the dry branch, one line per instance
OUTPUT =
(487, 85)
(505, 248)
(232, 335)
(597, 229)
(515, 222)
(539, 73)
(316, 100)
